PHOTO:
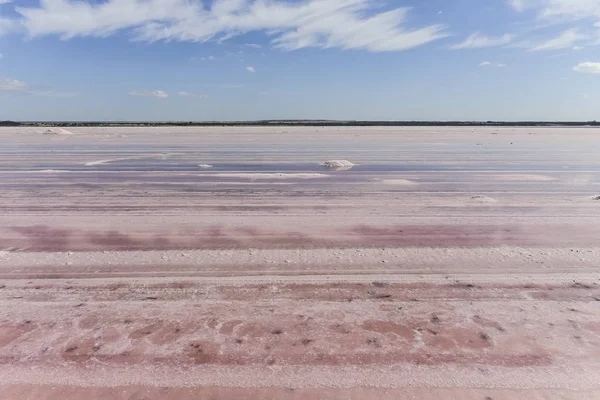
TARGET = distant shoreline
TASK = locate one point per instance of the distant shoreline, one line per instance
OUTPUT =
(295, 123)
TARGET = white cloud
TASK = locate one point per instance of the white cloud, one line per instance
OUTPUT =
(52, 93)
(597, 24)
(588, 68)
(7, 26)
(19, 87)
(253, 45)
(566, 39)
(576, 48)
(250, 69)
(154, 93)
(573, 9)
(188, 94)
(518, 5)
(233, 86)
(5, 1)
(491, 64)
(13, 85)
(476, 40)
(346, 24)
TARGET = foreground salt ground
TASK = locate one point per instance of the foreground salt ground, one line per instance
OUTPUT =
(446, 263)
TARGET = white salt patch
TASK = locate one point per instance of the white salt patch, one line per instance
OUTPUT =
(109, 160)
(99, 162)
(482, 199)
(397, 182)
(522, 177)
(51, 171)
(205, 166)
(269, 176)
(338, 164)
(57, 131)
(419, 343)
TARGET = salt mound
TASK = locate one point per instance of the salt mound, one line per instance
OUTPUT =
(482, 199)
(57, 131)
(340, 165)
(205, 166)
(397, 182)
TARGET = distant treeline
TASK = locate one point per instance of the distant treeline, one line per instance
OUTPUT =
(301, 123)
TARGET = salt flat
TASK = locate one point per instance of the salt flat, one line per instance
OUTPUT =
(229, 263)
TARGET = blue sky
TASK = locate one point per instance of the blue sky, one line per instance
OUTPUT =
(276, 59)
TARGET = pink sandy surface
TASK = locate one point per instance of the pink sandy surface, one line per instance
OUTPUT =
(469, 273)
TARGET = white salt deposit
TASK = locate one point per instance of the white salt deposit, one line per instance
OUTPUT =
(254, 176)
(205, 166)
(338, 164)
(397, 182)
(57, 131)
(482, 199)
(161, 156)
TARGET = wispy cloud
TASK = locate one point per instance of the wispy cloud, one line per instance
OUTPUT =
(566, 39)
(491, 64)
(250, 69)
(53, 93)
(13, 85)
(19, 87)
(188, 94)
(5, 1)
(477, 40)
(233, 86)
(209, 58)
(152, 93)
(588, 68)
(7, 25)
(253, 45)
(574, 9)
(518, 5)
(346, 24)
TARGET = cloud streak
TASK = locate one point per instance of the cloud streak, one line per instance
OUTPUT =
(250, 69)
(491, 64)
(566, 39)
(346, 24)
(14, 86)
(151, 93)
(477, 40)
(7, 26)
(188, 94)
(588, 68)
(573, 9)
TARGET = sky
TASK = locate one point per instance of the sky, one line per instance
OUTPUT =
(199, 60)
